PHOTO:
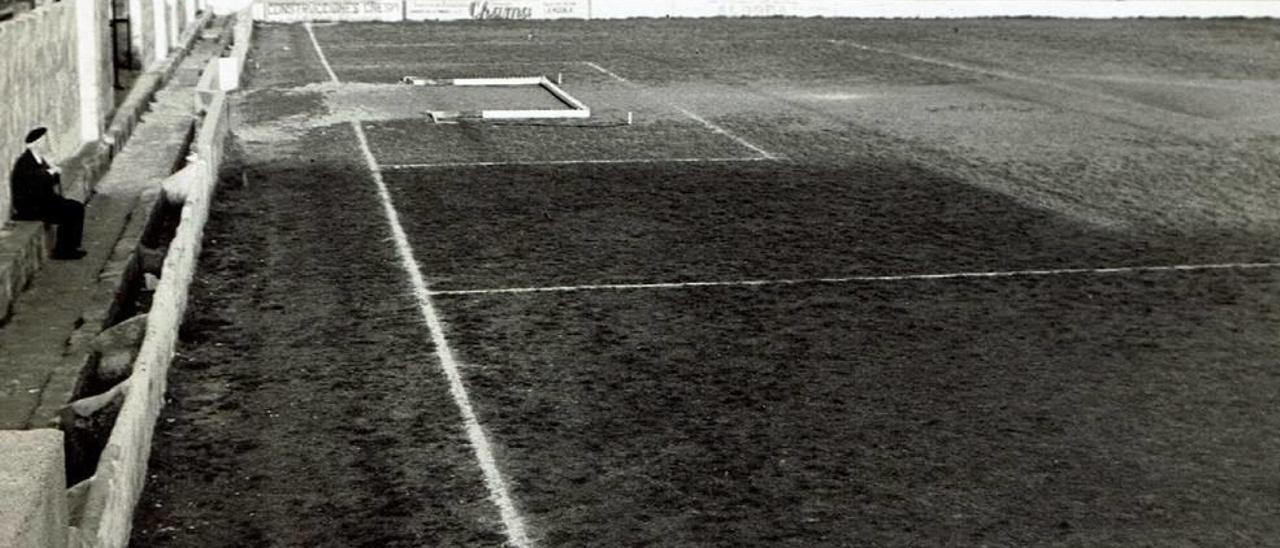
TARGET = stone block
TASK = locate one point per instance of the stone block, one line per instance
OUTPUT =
(33, 500)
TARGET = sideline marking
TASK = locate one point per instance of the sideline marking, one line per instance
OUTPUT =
(706, 123)
(323, 60)
(403, 167)
(498, 491)
(883, 278)
(1007, 75)
(609, 73)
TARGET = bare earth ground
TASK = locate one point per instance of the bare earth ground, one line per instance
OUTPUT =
(1121, 409)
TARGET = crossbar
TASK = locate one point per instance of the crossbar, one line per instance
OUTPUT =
(538, 113)
(525, 81)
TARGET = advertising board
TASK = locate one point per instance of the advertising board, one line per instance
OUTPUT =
(757, 8)
(290, 11)
(455, 10)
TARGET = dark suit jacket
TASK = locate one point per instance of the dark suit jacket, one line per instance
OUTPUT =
(33, 190)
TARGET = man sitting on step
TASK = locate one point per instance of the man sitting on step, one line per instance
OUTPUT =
(35, 186)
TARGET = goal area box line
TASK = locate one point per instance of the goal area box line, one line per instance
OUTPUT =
(577, 109)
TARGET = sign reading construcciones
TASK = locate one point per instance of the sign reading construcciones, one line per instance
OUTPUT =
(453, 10)
(288, 11)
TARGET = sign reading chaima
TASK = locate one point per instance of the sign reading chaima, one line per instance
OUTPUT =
(454, 10)
(757, 8)
(289, 11)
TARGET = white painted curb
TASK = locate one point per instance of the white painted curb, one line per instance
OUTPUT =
(116, 486)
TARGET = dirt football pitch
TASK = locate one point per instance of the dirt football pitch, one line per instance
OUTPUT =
(837, 283)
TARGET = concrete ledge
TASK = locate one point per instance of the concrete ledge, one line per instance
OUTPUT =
(113, 491)
(111, 291)
(22, 251)
(33, 499)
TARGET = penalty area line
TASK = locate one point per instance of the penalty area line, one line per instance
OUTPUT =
(499, 493)
(869, 279)
(715, 128)
(446, 165)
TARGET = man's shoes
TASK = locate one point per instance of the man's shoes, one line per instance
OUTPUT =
(74, 254)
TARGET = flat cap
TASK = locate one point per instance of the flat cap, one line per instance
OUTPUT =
(35, 134)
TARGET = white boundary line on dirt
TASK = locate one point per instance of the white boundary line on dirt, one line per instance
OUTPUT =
(443, 165)
(996, 73)
(498, 491)
(610, 73)
(323, 60)
(856, 279)
(692, 115)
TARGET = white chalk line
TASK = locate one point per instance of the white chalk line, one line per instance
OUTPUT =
(320, 52)
(446, 165)
(416, 64)
(609, 73)
(498, 490)
(868, 279)
(997, 73)
(692, 115)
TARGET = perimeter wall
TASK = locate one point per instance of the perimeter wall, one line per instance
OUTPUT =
(448, 10)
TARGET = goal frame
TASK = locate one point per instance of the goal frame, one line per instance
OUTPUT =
(577, 109)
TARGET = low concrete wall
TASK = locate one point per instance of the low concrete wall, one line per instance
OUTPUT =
(33, 500)
(114, 490)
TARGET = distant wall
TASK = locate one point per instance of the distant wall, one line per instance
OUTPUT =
(142, 32)
(610, 9)
(287, 11)
(448, 10)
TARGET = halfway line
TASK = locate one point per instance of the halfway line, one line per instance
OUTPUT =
(499, 494)
(394, 167)
(855, 279)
